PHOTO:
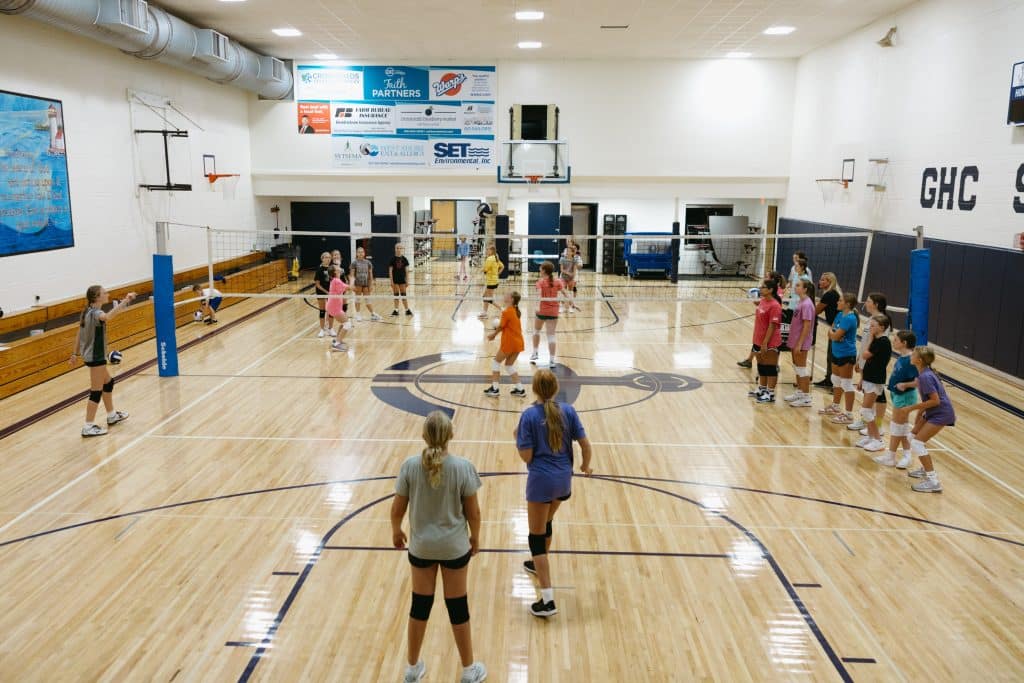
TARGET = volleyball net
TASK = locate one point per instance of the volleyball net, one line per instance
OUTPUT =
(635, 267)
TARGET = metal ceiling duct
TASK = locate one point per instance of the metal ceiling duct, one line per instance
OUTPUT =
(149, 32)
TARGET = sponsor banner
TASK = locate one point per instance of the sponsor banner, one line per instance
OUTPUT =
(315, 118)
(402, 116)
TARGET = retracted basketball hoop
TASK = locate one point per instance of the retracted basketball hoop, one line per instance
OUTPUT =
(533, 181)
(226, 183)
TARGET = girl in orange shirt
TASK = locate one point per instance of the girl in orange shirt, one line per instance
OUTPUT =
(511, 346)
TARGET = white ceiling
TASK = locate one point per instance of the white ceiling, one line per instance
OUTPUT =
(418, 31)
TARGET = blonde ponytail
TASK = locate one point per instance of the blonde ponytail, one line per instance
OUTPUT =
(545, 386)
(437, 432)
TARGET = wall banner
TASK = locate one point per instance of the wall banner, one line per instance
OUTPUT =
(401, 117)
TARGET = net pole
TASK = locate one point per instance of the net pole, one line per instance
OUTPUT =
(864, 266)
(209, 257)
(163, 305)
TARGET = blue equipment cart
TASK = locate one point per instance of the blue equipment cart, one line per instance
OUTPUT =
(648, 254)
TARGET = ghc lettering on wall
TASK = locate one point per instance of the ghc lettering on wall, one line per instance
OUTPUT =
(939, 186)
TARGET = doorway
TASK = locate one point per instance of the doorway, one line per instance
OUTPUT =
(542, 219)
(453, 216)
(584, 222)
(331, 217)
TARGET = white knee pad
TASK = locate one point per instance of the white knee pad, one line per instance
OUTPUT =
(347, 326)
(898, 428)
(918, 448)
(848, 385)
(495, 366)
(867, 414)
(802, 371)
(510, 370)
(837, 381)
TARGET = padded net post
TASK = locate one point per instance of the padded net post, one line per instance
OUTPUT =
(920, 284)
(163, 305)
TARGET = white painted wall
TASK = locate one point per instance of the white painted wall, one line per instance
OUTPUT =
(938, 98)
(114, 232)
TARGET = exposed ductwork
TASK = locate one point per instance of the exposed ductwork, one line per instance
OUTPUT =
(148, 32)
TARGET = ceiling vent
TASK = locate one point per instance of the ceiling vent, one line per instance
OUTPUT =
(124, 16)
(211, 46)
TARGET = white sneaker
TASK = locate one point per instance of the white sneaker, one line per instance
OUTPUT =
(93, 430)
(919, 473)
(904, 462)
(929, 485)
(864, 432)
(802, 402)
(793, 397)
(863, 441)
(415, 674)
(375, 318)
(551, 362)
(534, 357)
(856, 426)
(886, 459)
(474, 673)
(321, 333)
(339, 346)
(115, 417)
(332, 333)
(359, 318)
(873, 446)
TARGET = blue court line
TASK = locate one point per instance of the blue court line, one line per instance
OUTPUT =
(284, 573)
(859, 660)
(525, 551)
(806, 585)
(240, 643)
(987, 398)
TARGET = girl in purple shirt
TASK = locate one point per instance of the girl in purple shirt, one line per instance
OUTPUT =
(935, 412)
(801, 338)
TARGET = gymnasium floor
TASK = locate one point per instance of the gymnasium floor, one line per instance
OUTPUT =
(236, 527)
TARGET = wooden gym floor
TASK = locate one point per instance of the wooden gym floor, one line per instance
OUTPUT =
(236, 527)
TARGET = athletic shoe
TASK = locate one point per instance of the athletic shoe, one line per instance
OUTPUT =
(474, 673)
(415, 674)
(339, 346)
(93, 430)
(359, 318)
(529, 567)
(919, 473)
(375, 318)
(904, 461)
(482, 315)
(321, 333)
(927, 486)
(804, 402)
(863, 441)
(543, 609)
(552, 363)
(842, 419)
(856, 426)
(885, 459)
(766, 397)
(830, 409)
(491, 391)
(408, 312)
(116, 416)
(754, 393)
(332, 332)
(873, 446)
(533, 358)
(745, 364)
(864, 432)
(793, 397)
(518, 392)
(394, 313)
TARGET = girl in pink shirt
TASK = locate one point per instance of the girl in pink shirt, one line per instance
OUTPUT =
(767, 340)
(336, 309)
(547, 311)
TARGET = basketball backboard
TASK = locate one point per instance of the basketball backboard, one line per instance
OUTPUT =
(547, 160)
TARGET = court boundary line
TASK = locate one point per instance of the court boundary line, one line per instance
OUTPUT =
(142, 437)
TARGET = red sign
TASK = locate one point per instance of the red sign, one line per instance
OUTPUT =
(314, 118)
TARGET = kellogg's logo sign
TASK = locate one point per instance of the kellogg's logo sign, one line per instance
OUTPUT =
(449, 84)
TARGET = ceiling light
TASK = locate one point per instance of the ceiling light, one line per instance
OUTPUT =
(737, 55)
(232, 0)
(325, 55)
(529, 44)
(287, 32)
(779, 30)
(529, 15)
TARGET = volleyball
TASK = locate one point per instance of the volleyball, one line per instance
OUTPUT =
(114, 358)
(754, 293)
(197, 316)
(496, 323)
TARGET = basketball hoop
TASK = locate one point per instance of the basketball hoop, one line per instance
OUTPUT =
(226, 183)
(533, 181)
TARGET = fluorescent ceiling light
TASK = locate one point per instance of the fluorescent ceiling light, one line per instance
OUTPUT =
(779, 30)
(529, 15)
(325, 55)
(529, 44)
(737, 55)
(287, 32)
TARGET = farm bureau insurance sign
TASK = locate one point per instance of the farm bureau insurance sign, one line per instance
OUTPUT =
(400, 117)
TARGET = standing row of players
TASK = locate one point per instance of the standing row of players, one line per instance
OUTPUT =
(913, 386)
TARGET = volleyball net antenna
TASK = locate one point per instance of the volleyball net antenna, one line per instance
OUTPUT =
(444, 266)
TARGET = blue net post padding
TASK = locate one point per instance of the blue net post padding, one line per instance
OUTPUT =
(163, 313)
(920, 282)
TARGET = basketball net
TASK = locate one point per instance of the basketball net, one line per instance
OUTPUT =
(225, 183)
(533, 181)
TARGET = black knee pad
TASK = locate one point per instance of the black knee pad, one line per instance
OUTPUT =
(458, 610)
(323, 314)
(547, 530)
(109, 386)
(95, 396)
(767, 370)
(538, 544)
(421, 605)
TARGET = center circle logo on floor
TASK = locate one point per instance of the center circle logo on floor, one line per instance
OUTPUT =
(416, 385)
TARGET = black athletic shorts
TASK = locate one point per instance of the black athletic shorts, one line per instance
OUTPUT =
(457, 563)
(546, 317)
(845, 360)
(399, 281)
(96, 364)
(756, 348)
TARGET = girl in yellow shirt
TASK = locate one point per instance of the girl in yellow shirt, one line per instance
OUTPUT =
(492, 269)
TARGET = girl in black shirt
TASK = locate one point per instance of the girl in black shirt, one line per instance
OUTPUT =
(398, 269)
(322, 286)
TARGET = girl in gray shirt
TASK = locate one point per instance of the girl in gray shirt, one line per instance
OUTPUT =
(439, 492)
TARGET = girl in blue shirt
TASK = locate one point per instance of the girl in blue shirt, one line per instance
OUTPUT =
(844, 356)
(544, 438)
(903, 389)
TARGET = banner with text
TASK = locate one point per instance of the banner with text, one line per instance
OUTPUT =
(400, 116)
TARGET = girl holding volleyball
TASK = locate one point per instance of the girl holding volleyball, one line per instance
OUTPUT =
(91, 347)
(547, 310)
(336, 310)
(544, 438)
(511, 330)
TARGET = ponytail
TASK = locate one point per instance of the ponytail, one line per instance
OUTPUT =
(545, 386)
(91, 295)
(516, 296)
(548, 268)
(437, 432)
